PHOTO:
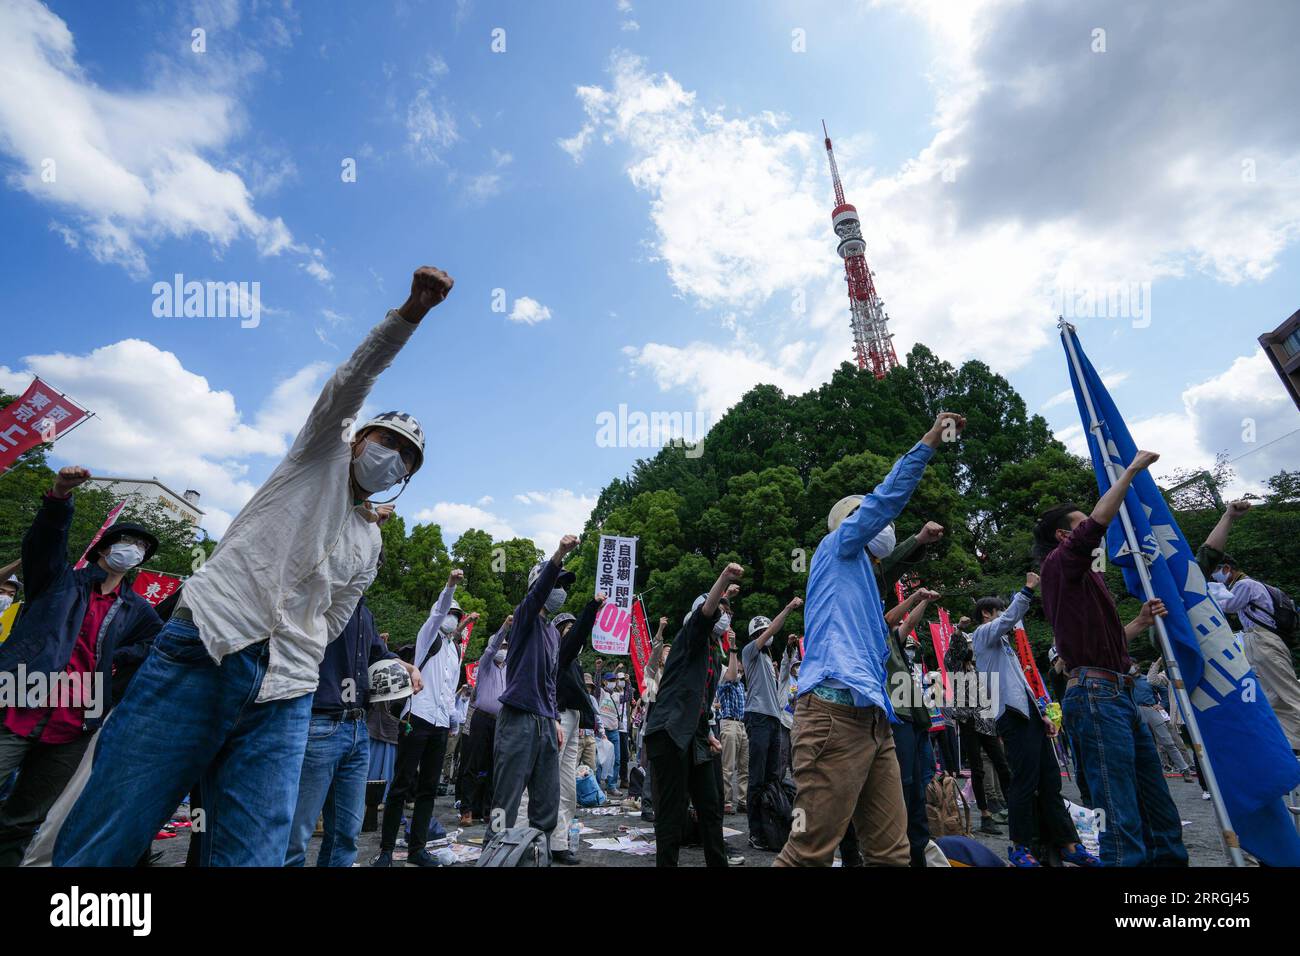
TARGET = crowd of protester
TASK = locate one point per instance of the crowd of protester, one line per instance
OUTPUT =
(265, 697)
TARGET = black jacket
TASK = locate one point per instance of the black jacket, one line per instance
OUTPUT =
(570, 694)
(55, 606)
(348, 658)
(690, 679)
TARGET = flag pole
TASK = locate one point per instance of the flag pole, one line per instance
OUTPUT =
(1230, 842)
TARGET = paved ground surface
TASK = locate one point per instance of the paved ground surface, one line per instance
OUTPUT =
(1200, 834)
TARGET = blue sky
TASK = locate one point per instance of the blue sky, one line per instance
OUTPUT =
(644, 187)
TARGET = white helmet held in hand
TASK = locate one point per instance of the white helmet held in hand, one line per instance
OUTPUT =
(389, 680)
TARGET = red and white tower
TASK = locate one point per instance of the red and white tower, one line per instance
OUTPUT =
(871, 336)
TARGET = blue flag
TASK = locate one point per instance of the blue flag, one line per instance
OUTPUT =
(1251, 758)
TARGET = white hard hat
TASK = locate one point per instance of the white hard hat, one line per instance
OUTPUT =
(400, 423)
(455, 609)
(759, 624)
(842, 509)
(389, 680)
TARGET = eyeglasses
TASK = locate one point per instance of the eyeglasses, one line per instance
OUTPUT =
(396, 443)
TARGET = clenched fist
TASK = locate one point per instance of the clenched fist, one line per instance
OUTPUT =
(931, 533)
(455, 578)
(429, 286)
(69, 478)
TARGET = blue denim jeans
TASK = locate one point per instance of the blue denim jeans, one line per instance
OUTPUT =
(1140, 826)
(612, 780)
(185, 719)
(333, 782)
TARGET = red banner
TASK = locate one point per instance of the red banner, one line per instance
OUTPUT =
(154, 586)
(941, 638)
(40, 416)
(464, 641)
(112, 516)
(640, 644)
(471, 673)
(1026, 655)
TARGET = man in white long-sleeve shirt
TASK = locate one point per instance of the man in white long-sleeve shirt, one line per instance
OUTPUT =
(1037, 815)
(225, 695)
(426, 725)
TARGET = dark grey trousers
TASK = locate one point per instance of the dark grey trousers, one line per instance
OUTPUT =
(45, 771)
(525, 755)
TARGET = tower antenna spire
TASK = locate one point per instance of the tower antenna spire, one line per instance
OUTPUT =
(872, 341)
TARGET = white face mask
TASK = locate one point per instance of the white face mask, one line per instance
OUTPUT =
(622, 683)
(122, 557)
(723, 624)
(555, 600)
(1221, 576)
(499, 657)
(5, 601)
(378, 468)
(448, 625)
(882, 544)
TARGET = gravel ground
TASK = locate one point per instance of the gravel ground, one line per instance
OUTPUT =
(1200, 834)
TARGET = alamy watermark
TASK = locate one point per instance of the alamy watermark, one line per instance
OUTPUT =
(1103, 300)
(208, 300)
(637, 429)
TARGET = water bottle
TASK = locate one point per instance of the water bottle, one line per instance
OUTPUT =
(575, 835)
(445, 856)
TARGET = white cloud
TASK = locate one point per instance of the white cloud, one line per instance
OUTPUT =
(455, 519)
(129, 165)
(736, 204)
(548, 516)
(1243, 412)
(430, 127)
(528, 311)
(155, 418)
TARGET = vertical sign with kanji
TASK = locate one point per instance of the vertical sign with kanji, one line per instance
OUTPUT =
(615, 573)
(40, 416)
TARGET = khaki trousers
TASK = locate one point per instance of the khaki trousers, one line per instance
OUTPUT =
(845, 769)
(735, 761)
(1270, 658)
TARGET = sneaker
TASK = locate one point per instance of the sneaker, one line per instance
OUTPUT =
(424, 858)
(735, 861)
(385, 858)
(1020, 856)
(999, 816)
(988, 826)
(564, 857)
(1188, 776)
(756, 844)
(1079, 857)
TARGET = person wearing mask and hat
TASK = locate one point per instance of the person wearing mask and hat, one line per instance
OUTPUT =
(763, 708)
(10, 586)
(845, 766)
(528, 734)
(575, 709)
(426, 727)
(226, 694)
(476, 758)
(587, 725)
(78, 625)
(1256, 606)
(609, 722)
(678, 740)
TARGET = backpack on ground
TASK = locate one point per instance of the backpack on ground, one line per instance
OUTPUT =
(776, 812)
(518, 846)
(946, 808)
(588, 790)
(1284, 614)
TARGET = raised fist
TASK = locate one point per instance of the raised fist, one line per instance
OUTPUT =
(601, 597)
(947, 427)
(1144, 460)
(73, 476)
(795, 603)
(568, 543)
(429, 286)
(932, 532)
(1238, 508)
(456, 577)
(1031, 580)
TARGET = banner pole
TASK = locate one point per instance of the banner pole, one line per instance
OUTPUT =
(1230, 843)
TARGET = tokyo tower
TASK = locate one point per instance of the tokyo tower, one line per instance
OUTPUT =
(871, 336)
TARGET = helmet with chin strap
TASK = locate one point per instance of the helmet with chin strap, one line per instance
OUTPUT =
(400, 423)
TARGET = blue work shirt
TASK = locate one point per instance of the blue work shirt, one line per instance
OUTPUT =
(845, 632)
